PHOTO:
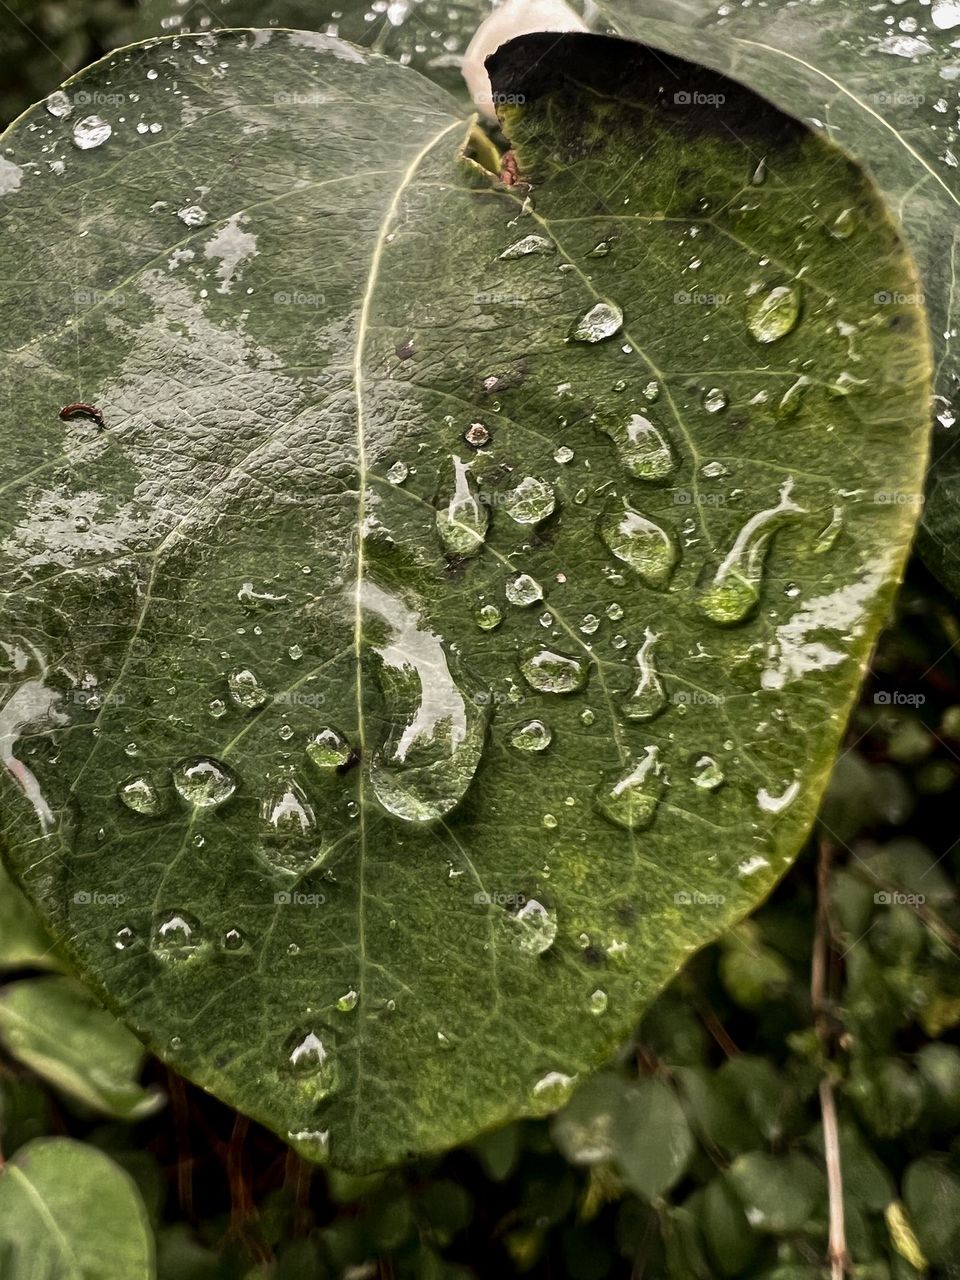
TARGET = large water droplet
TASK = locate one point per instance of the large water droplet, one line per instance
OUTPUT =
(246, 690)
(631, 799)
(524, 590)
(531, 501)
(945, 14)
(533, 929)
(289, 827)
(532, 736)
(528, 245)
(550, 672)
(437, 721)
(647, 548)
(177, 936)
(774, 314)
(643, 449)
(603, 320)
(648, 698)
(308, 1056)
(328, 749)
(489, 617)
(204, 782)
(733, 591)
(462, 523)
(59, 105)
(140, 795)
(90, 132)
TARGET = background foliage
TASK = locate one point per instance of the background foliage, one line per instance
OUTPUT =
(699, 1154)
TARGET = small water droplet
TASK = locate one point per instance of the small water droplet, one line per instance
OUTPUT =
(348, 1001)
(59, 105)
(328, 749)
(309, 1057)
(603, 320)
(563, 454)
(774, 314)
(124, 938)
(532, 736)
(598, 1002)
(708, 775)
(630, 800)
(204, 782)
(217, 708)
(531, 501)
(587, 716)
(648, 698)
(846, 384)
(828, 536)
(643, 449)
(140, 795)
(552, 1091)
(759, 175)
(733, 591)
(844, 224)
(589, 624)
(533, 929)
(192, 215)
(398, 473)
(477, 435)
(462, 524)
(793, 397)
(550, 672)
(614, 611)
(246, 690)
(715, 399)
(640, 543)
(651, 392)
(90, 132)
(524, 590)
(528, 245)
(489, 617)
(177, 936)
(285, 732)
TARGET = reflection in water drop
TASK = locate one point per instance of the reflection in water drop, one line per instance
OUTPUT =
(532, 736)
(140, 795)
(648, 698)
(348, 1001)
(204, 782)
(328, 749)
(772, 315)
(533, 929)
(708, 775)
(177, 936)
(642, 447)
(489, 617)
(550, 672)
(601, 321)
(462, 523)
(793, 397)
(289, 828)
(308, 1056)
(551, 1091)
(598, 1002)
(647, 548)
(528, 245)
(524, 590)
(246, 690)
(531, 501)
(631, 800)
(438, 724)
(733, 592)
(124, 938)
(714, 399)
(90, 132)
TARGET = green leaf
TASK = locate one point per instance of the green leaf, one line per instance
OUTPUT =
(887, 96)
(639, 1125)
(23, 942)
(729, 1238)
(779, 1194)
(67, 1212)
(277, 782)
(430, 35)
(931, 1190)
(54, 1026)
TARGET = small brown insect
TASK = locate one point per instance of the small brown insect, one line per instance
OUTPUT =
(82, 410)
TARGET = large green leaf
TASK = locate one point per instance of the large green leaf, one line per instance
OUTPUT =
(54, 1027)
(23, 943)
(882, 82)
(67, 1212)
(351, 825)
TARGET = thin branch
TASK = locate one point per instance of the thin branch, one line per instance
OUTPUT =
(819, 967)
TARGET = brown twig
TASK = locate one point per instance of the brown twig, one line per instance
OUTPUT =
(180, 1108)
(822, 1020)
